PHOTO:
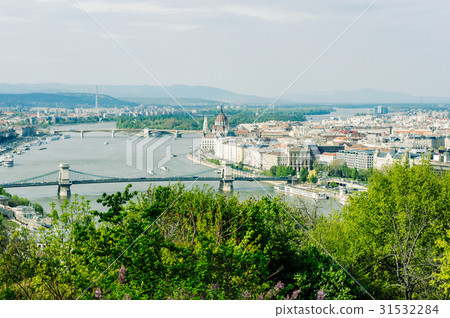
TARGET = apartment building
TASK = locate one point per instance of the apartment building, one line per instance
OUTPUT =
(361, 159)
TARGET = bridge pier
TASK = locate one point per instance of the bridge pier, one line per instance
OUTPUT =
(113, 133)
(147, 133)
(226, 183)
(81, 133)
(294, 180)
(177, 134)
(64, 182)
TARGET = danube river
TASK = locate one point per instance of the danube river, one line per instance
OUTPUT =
(97, 153)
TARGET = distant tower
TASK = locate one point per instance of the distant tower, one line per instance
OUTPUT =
(205, 125)
(96, 97)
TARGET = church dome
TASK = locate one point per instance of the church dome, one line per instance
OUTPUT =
(221, 119)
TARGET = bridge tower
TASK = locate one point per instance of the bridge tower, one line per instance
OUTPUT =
(226, 183)
(64, 182)
(147, 133)
(81, 133)
(113, 133)
(177, 134)
(293, 180)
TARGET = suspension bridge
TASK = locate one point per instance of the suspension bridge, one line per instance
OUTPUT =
(65, 177)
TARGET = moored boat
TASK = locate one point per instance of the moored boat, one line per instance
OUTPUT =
(8, 162)
(301, 191)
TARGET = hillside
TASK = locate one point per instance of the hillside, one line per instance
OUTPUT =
(67, 100)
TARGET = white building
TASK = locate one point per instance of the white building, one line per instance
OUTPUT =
(228, 149)
(253, 157)
(274, 158)
(361, 159)
(383, 159)
(24, 211)
(326, 158)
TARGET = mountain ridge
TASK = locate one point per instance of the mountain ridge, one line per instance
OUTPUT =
(214, 94)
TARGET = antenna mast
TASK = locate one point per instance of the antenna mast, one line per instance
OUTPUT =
(96, 97)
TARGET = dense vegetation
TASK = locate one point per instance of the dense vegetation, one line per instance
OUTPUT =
(280, 171)
(14, 201)
(180, 121)
(339, 169)
(177, 244)
(214, 161)
(394, 237)
(174, 243)
(184, 121)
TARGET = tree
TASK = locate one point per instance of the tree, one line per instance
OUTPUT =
(303, 174)
(319, 167)
(174, 243)
(335, 168)
(346, 171)
(354, 173)
(387, 235)
(273, 170)
(313, 178)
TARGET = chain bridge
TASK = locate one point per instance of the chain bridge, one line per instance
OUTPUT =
(65, 177)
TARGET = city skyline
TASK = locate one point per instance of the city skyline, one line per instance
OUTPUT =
(255, 48)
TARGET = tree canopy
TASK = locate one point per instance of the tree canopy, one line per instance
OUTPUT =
(387, 235)
(172, 243)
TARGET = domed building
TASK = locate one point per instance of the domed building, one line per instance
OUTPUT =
(221, 126)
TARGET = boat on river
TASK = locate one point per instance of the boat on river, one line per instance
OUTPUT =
(301, 191)
(8, 161)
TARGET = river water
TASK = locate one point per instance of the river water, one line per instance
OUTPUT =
(97, 153)
(342, 113)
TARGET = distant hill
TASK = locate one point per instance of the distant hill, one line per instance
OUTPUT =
(203, 93)
(67, 100)
(365, 96)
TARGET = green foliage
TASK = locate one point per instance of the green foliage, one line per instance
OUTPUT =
(177, 121)
(281, 171)
(441, 278)
(303, 176)
(387, 235)
(338, 168)
(214, 161)
(273, 170)
(240, 166)
(170, 243)
(319, 167)
(235, 117)
(313, 178)
(323, 274)
(14, 201)
(354, 173)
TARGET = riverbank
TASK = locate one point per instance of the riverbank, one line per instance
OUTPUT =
(205, 163)
(15, 144)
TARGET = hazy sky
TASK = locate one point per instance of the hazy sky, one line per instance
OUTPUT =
(253, 47)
